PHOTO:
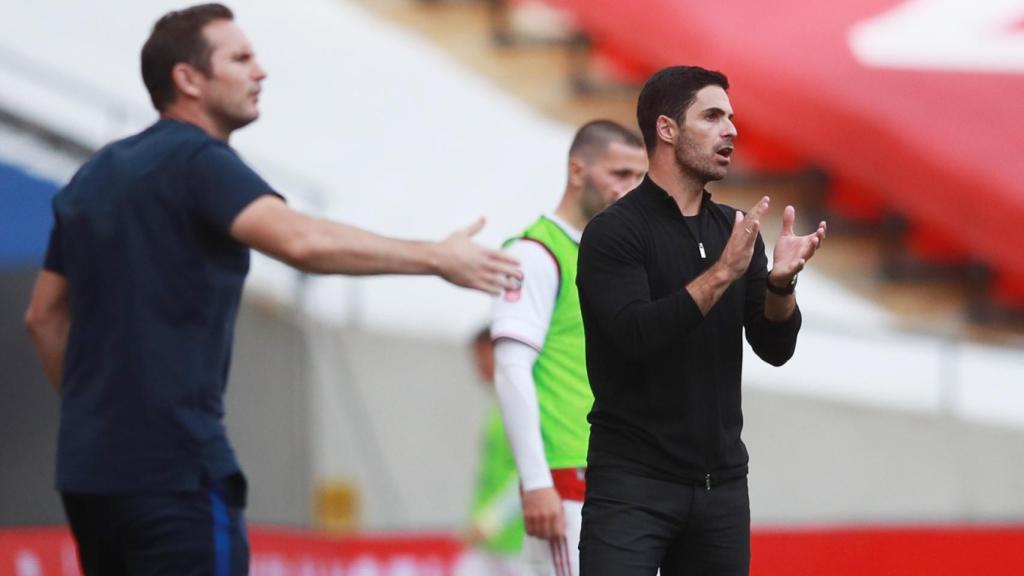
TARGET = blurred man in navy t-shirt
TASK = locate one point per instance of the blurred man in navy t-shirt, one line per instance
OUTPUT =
(134, 311)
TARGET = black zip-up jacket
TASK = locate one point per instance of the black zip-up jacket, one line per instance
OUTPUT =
(666, 380)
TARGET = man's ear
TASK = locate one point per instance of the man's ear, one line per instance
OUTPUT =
(577, 172)
(187, 79)
(666, 129)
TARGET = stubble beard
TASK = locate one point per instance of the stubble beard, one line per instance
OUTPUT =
(690, 163)
(592, 201)
(231, 122)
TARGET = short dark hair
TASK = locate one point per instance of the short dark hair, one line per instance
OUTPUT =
(670, 92)
(178, 37)
(593, 137)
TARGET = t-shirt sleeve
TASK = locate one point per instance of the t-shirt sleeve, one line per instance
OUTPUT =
(524, 314)
(223, 185)
(54, 260)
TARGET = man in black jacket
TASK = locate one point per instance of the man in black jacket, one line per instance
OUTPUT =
(669, 282)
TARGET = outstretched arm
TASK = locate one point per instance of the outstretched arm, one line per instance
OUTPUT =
(328, 247)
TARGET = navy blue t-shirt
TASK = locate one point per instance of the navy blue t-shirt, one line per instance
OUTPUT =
(142, 235)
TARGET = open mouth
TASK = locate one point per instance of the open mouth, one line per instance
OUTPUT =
(724, 153)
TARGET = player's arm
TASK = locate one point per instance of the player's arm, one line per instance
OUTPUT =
(521, 320)
(324, 246)
(48, 320)
(543, 515)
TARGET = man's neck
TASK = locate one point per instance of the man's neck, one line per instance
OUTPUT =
(195, 117)
(684, 188)
(571, 213)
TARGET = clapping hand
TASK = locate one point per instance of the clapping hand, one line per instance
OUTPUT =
(791, 251)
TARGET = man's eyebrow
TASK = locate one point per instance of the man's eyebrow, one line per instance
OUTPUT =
(718, 110)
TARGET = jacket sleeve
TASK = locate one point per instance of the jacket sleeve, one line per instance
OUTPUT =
(773, 342)
(615, 293)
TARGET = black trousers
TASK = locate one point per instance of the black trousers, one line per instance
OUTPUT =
(198, 533)
(633, 525)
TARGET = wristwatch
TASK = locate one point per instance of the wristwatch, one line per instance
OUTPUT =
(781, 290)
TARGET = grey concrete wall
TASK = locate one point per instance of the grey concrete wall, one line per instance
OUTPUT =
(28, 415)
(268, 407)
(812, 460)
(400, 417)
(817, 461)
(267, 416)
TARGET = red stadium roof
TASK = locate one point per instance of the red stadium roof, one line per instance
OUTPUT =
(920, 102)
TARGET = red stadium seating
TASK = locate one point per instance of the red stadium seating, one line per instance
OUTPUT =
(932, 131)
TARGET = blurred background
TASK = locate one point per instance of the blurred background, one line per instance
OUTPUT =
(353, 403)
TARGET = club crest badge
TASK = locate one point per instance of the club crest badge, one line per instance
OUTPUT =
(514, 294)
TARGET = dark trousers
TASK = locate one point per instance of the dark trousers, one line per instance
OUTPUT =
(632, 526)
(167, 534)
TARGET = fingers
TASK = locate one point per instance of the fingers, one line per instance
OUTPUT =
(554, 523)
(758, 209)
(547, 526)
(493, 283)
(504, 262)
(472, 229)
(558, 525)
(745, 227)
(479, 268)
(751, 229)
(534, 526)
(503, 271)
(750, 223)
(543, 514)
(815, 240)
(788, 218)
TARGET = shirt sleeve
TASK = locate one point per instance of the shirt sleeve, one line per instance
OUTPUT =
(615, 291)
(223, 185)
(524, 314)
(520, 411)
(773, 342)
(54, 260)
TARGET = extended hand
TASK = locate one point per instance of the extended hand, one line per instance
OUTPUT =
(740, 247)
(465, 263)
(791, 251)
(543, 513)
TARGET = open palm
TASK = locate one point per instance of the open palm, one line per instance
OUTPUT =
(791, 251)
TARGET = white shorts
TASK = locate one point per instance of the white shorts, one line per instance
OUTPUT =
(548, 558)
